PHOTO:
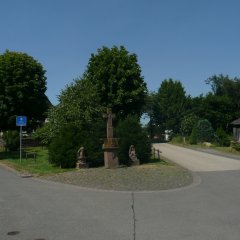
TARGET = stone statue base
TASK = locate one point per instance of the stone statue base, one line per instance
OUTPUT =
(81, 165)
(135, 163)
(111, 158)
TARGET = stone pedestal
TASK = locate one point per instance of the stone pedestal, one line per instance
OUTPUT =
(135, 163)
(110, 145)
(111, 157)
(110, 148)
(81, 165)
(81, 159)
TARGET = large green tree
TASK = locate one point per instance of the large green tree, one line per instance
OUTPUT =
(112, 79)
(219, 110)
(169, 105)
(22, 89)
(224, 86)
(188, 123)
(78, 105)
(117, 76)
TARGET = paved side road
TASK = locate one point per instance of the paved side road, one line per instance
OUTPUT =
(197, 161)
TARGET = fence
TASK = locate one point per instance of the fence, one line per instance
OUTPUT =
(156, 153)
(2, 144)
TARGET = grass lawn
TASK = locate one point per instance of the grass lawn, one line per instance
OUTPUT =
(40, 166)
(229, 150)
(155, 175)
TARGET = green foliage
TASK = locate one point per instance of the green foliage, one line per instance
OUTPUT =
(169, 105)
(22, 89)
(197, 106)
(205, 132)
(222, 138)
(42, 134)
(78, 104)
(193, 137)
(187, 124)
(113, 78)
(223, 86)
(218, 110)
(63, 147)
(235, 145)
(116, 75)
(202, 132)
(222, 105)
(177, 139)
(12, 140)
(152, 128)
(41, 166)
(130, 132)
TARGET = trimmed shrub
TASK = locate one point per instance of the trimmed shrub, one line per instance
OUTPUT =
(193, 137)
(63, 148)
(177, 139)
(235, 145)
(222, 138)
(12, 140)
(130, 132)
(205, 132)
(187, 124)
(43, 134)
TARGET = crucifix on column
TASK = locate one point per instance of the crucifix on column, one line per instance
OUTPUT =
(110, 145)
(110, 116)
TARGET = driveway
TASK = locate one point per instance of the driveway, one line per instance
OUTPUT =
(197, 161)
(32, 209)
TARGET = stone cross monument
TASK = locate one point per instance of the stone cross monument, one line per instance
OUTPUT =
(110, 145)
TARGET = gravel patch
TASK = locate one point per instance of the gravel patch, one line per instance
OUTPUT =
(138, 178)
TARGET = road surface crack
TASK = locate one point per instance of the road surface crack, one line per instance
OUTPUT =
(134, 217)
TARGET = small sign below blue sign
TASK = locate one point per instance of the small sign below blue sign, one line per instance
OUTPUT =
(21, 121)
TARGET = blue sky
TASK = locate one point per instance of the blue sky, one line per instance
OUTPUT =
(187, 40)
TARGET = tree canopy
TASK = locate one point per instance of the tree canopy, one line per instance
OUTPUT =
(78, 105)
(22, 89)
(169, 105)
(224, 86)
(112, 79)
(117, 76)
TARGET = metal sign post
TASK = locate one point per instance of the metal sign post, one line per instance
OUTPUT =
(20, 144)
(21, 121)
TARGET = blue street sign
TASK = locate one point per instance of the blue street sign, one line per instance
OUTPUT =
(21, 121)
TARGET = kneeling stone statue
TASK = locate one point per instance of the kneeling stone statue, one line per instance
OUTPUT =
(133, 156)
(81, 158)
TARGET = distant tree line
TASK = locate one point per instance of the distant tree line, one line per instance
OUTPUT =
(170, 107)
(113, 79)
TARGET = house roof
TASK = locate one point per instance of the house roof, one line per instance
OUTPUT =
(236, 122)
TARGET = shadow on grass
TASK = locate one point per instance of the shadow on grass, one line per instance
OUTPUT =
(159, 161)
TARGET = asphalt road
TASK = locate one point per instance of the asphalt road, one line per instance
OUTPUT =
(33, 209)
(197, 161)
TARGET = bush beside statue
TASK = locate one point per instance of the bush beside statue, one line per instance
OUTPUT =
(130, 132)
